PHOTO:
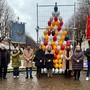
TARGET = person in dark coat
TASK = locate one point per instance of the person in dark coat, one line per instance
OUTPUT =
(87, 54)
(49, 56)
(4, 61)
(39, 60)
(77, 60)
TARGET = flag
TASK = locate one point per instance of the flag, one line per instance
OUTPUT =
(18, 32)
(88, 28)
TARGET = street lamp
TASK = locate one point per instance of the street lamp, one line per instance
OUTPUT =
(2, 33)
(8, 36)
(37, 30)
(74, 29)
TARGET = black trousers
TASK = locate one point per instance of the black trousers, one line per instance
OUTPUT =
(38, 71)
(67, 71)
(3, 72)
(77, 74)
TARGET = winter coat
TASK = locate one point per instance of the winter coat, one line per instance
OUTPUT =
(87, 53)
(16, 60)
(70, 60)
(4, 58)
(39, 55)
(78, 55)
(49, 56)
(28, 55)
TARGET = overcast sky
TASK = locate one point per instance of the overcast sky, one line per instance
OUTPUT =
(26, 10)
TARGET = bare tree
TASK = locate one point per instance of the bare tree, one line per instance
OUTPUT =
(80, 20)
(6, 16)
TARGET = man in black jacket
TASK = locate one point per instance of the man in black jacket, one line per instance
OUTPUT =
(87, 53)
(39, 60)
(4, 61)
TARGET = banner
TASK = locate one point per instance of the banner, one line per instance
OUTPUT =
(88, 28)
(18, 32)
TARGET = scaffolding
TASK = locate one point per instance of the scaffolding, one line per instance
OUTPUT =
(44, 12)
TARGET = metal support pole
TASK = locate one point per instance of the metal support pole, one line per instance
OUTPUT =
(74, 26)
(42, 28)
(74, 14)
(37, 28)
(37, 34)
(10, 39)
(9, 47)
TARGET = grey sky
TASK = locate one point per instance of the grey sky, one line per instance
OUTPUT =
(26, 10)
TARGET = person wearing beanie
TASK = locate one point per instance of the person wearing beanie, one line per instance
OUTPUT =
(87, 54)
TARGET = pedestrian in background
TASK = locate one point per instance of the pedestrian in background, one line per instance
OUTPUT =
(28, 59)
(77, 59)
(16, 63)
(39, 60)
(87, 53)
(49, 56)
(67, 61)
(4, 61)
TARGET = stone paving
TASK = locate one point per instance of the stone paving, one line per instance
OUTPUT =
(57, 82)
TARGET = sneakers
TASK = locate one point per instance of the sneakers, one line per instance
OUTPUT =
(87, 78)
(15, 76)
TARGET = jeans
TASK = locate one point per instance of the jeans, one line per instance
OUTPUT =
(16, 71)
(3, 72)
(88, 71)
(28, 71)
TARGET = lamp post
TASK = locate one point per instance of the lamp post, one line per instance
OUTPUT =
(2, 33)
(73, 38)
(8, 36)
(37, 30)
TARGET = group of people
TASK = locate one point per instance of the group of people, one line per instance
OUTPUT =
(72, 61)
(44, 59)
